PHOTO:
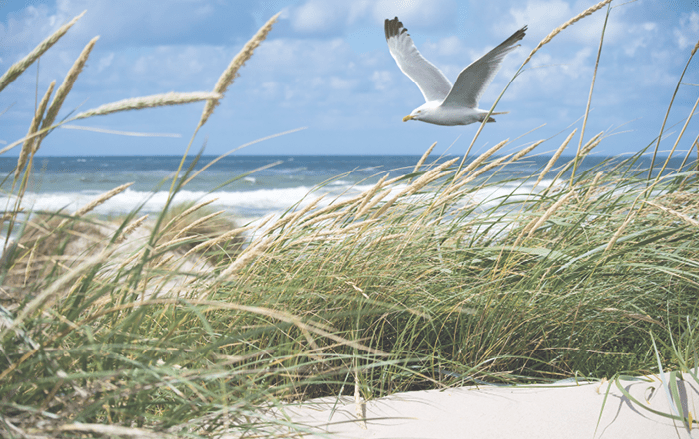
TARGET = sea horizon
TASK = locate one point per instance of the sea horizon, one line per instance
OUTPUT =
(248, 186)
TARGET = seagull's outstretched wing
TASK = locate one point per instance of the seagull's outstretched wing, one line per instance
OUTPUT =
(474, 79)
(431, 81)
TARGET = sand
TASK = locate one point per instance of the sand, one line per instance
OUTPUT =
(544, 411)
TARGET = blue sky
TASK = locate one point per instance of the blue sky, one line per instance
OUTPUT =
(326, 66)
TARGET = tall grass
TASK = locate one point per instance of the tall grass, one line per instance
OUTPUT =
(418, 282)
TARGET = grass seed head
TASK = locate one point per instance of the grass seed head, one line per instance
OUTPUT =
(238, 61)
(139, 103)
(558, 30)
(18, 68)
(28, 146)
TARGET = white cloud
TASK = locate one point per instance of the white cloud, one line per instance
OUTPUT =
(316, 16)
(688, 32)
(105, 61)
(300, 57)
(382, 79)
(333, 17)
(338, 83)
(541, 14)
(419, 13)
(449, 46)
(25, 29)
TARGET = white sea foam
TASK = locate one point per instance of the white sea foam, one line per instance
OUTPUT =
(259, 201)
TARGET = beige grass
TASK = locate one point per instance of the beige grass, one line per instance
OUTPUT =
(89, 207)
(554, 158)
(238, 61)
(420, 162)
(534, 225)
(28, 146)
(18, 68)
(131, 228)
(481, 158)
(560, 28)
(64, 89)
(140, 103)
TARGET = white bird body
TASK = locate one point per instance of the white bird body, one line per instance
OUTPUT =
(434, 112)
(446, 104)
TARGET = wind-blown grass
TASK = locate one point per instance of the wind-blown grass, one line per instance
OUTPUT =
(419, 282)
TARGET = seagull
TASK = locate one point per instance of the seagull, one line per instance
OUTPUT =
(446, 104)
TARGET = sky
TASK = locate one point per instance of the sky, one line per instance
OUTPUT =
(325, 67)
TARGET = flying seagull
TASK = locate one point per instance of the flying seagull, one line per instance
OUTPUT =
(446, 104)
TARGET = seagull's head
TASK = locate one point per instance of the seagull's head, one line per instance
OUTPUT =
(423, 112)
(417, 114)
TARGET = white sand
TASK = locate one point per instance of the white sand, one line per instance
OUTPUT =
(550, 411)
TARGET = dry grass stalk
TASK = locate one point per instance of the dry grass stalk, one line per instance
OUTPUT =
(453, 191)
(556, 31)
(369, 194)
(694, 51)
(44, 298)
(171, 243)
(198, 222)
(246, 256)
(19, 67)
(101, 199)
(37, 134)
(381, 239)
(418, 184)
(28, 269)
(679, 137)
(481, 158)
(327, 216)
(188, 211)
(620, 230)
(367, 207)
(424, 157)
(526, 150)
(534, 225)
(555, 157)
(65, 87)
(429, 176)
(290, 219)
(231, 234)
(36, 121)
(486, 168)
(679, 215)
(119, 132)
(139, 103)
(591, 144)
(231, 72)
(359, 405)
(130, 259)
(324, 235)
(593, 185)
(332, 207)
(130, 228)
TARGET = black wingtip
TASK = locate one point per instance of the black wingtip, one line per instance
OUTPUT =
(514, 38)
(393, 28)
(521, 33)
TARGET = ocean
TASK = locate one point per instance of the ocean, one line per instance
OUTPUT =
(70, 182)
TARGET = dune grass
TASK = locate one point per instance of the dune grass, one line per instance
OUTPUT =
(419, 282)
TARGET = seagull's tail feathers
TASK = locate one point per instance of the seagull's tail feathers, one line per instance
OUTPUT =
(490, 119)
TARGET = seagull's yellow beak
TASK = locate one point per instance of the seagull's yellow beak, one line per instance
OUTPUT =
(407, 118)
